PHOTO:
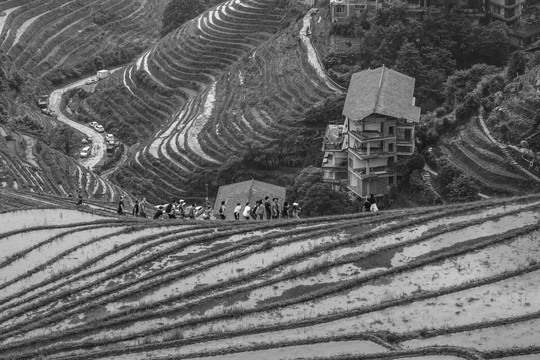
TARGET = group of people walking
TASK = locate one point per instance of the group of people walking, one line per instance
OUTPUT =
(139, 208)
(262, 210)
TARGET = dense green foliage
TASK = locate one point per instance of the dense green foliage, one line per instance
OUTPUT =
(428, 47)
(66, 140)
(317, 198)
(178, 12)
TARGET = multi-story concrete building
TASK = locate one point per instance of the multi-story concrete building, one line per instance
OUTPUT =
(380, 115)
(342, 10)
(508, 11)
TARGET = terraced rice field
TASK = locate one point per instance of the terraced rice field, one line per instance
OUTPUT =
(478, 157)
(448, 283)
(48, 42)
(238, 73)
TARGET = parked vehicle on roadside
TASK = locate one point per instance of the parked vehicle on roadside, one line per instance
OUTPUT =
(102, 74)
(99, 128)
(93, 124)
(91, 81)
(49, 112)
(43, 101)
(85, 152)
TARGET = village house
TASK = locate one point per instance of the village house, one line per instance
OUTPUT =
(380, 115)
(342, 10)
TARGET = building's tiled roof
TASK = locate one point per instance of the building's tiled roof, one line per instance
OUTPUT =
(246, 191)
(381, 91)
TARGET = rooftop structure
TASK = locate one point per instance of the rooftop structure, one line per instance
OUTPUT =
(246, 191)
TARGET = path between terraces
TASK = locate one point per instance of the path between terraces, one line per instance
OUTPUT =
(503, 147)
(312, 54)
(98, 141)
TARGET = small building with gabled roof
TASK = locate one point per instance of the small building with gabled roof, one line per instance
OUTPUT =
(247, 191)
(380, 115)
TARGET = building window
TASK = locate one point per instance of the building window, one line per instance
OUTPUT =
(340, 9)
(391, 147)
(509, 13)
(390, 130)
(404, 134)
(404, 149)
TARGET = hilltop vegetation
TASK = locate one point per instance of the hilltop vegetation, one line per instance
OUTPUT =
(428, 47)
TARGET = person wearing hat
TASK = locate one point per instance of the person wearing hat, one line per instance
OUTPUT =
(295, 210)
(120, 210)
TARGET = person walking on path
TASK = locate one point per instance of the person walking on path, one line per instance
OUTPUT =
(79, 197)
(169, 210)
(158, 213)
(275, 208)
(285, 211)
(247, 210)
(367, 205)
(260, 210)
(135, 211)
(237, 210)
(192, 212)
(181, 209)
(142, 207)
(121, 208)
(222, 210)
(253, 211)
(295, 210)
(267, 208)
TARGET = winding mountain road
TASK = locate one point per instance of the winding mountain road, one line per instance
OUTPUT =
(98, 141)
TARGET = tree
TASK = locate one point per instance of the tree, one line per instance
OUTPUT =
(65, 140)
(516, 64)
(178, 12)
(462, 189)
(303, 182)
(321, 200)
(447, 174)
(415, 162)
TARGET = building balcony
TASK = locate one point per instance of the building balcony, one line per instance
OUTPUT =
(366, 136)
(373, 154)
(336, 145)
(337, 164)
(375, 172)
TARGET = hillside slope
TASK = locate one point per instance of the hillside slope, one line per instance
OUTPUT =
(28, 164)
(44, 44)
(455, 282)
(236, 75)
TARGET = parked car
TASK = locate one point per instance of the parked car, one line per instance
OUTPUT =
(86, 141)
(109, 137)
(93, 124)
(91, 81)
(43, 101)
(85, 152)
(99, 128)
(49, 112)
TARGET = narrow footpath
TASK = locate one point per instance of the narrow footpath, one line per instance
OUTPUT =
(313, 57)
